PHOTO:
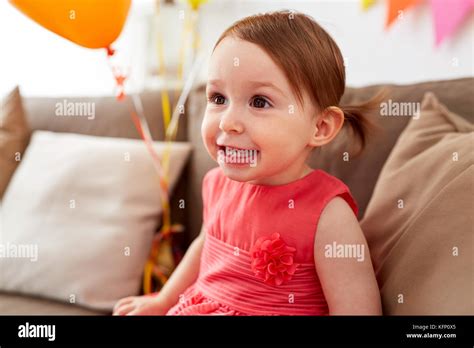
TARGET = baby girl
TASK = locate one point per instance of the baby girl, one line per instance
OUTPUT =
(278, 237)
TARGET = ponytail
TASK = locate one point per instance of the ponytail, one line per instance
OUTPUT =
(361, 119)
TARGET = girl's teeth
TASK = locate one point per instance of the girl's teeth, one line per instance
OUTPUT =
(234, 155)
(234, 151)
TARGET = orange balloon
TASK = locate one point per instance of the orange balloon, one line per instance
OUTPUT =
(89, 23)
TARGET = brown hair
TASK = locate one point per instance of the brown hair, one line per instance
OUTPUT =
(310, 60)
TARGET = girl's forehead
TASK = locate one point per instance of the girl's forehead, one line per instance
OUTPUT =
(237, 53)
(235, 60)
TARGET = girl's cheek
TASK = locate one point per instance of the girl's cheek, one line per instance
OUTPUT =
(209, 134)
(206, 132)
(210, 125)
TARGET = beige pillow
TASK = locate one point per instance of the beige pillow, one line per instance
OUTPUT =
(79, 215)
(14, 136)
(419, 222)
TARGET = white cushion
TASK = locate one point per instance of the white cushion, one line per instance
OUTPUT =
(83, 202)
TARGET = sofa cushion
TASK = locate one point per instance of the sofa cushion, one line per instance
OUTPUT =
(419, 221)
(14, 136)
(112, 119)
(83, 209)
(16, 304)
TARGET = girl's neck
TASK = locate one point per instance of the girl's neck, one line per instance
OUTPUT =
(286, 177)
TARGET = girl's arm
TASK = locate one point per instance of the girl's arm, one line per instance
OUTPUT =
(348, 282)
(183, 276)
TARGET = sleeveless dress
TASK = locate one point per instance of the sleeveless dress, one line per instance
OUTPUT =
(258, 254)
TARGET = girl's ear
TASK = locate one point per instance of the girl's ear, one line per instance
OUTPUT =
(326, 126)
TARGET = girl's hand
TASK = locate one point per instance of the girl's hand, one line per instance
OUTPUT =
(141, 305)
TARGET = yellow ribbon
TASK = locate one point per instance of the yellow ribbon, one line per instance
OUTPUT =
(152, 268)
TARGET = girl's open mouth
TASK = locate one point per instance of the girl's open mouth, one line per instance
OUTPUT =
(237, 156)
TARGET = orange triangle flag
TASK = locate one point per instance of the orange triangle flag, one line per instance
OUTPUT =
(396, 8)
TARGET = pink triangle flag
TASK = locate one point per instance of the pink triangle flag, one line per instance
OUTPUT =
(448, 15)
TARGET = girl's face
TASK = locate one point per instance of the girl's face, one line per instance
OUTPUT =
(254, 126)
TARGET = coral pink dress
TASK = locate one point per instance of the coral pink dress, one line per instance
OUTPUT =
(258, 255)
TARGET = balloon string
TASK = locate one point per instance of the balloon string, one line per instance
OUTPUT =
(119, 75)
(161, 165)
(151, 269)
(165, 102)
(142, 127)
(171, 132)
(110, 51)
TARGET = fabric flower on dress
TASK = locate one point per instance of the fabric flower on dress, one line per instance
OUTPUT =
(273, 260)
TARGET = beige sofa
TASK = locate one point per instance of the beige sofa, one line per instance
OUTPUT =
(360, 174)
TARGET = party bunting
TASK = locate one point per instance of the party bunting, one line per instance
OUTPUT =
(448, 16)
(196, 4)
(366, 4)
(396, 8)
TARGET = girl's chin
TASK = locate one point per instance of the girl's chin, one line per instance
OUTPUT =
(238, 171)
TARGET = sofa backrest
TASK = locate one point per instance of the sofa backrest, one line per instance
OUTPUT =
(112, 117)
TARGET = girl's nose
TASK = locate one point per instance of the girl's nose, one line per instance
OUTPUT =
(230, 122)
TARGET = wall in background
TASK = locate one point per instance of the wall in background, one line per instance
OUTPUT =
(403, 54)
(45, 64)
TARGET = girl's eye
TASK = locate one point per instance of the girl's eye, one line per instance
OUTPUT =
(217, 99)
(260, 102)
